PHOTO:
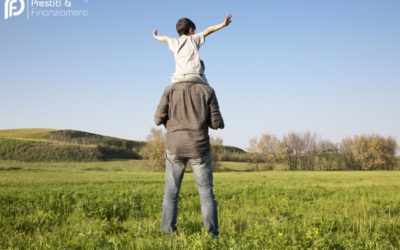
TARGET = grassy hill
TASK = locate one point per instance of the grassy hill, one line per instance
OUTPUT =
(36, 133)
(42, 144)
(64, 145)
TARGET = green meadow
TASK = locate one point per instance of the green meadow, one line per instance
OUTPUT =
(117, 205)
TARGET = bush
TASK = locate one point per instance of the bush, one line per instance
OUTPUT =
(154, 150)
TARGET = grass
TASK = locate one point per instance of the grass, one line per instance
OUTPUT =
(33, 133)
(237, 166)
(248, 167)
(117, 204)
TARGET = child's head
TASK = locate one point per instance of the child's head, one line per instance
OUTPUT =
(185, 26)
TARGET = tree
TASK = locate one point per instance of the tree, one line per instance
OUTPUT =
(328, 156)
(154, 149)
(308, 158)
(295, 148)
(301, 150)
(271, 149)
(254, 154)
(369, 152)
(216, 151)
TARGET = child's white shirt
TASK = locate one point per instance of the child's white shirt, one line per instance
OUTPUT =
(186, 53)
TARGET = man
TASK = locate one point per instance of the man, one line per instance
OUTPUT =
(187, 110)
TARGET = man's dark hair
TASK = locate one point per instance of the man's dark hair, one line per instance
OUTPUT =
(183, 26)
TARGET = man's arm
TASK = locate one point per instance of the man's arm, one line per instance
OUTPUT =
(161, 115)
(159, 38)
(212, 29)
(216, 121)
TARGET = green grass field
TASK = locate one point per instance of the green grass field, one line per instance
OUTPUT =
(117, 205)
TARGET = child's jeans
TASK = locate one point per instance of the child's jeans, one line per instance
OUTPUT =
(202, 172)
(201, 78)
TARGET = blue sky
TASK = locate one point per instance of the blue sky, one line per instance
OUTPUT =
(330, 67)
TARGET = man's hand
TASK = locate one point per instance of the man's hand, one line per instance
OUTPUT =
(159, 38)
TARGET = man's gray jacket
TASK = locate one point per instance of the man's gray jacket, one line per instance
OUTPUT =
(187, 110)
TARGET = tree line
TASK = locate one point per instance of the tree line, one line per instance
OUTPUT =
(294, 151)
(306, 151)
(154, 150)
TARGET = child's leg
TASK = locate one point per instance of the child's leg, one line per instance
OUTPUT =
(177, 78)
(204, 79)
(196, 78)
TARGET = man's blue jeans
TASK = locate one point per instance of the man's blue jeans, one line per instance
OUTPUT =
(202, 171)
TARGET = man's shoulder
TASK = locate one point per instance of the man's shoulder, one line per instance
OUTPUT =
(168, 88)
(189, 85)
(198, 85)
(203, 90)
(206, 87)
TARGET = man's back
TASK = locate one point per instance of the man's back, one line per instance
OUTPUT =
(187, 110)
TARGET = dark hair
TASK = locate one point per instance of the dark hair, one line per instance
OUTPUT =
(183, 26)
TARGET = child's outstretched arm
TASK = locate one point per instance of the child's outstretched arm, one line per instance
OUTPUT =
(159, 38)
(212, 29)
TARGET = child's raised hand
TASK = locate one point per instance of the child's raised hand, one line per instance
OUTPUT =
(228, 19)
(159, 38)
(155, 33)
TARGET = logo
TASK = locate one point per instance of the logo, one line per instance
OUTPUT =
(10, 8)
(46, 8)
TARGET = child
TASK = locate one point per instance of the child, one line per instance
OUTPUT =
(188, 66)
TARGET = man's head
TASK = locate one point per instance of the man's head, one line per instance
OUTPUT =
(185, 26)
